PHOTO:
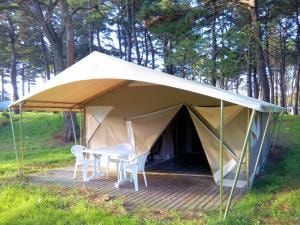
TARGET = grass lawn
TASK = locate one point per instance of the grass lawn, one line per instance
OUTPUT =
(274, 198)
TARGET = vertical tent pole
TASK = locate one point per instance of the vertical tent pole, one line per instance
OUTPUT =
(21, 141)
(221, 156)
(260, 147)
(84, 126)
(81, 127)
(240, 162)
(73, 127)
(14, 138)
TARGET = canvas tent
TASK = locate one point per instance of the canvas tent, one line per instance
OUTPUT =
(124, 102)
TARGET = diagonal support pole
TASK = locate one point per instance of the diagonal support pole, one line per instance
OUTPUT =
(221, 157)
(240, 162)
(276, 130)
(21, 172)
(14, 138)
(260, 148)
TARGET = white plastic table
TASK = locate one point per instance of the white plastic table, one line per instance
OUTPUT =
(97, 154)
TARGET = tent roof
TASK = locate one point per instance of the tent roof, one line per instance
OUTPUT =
(98, 74)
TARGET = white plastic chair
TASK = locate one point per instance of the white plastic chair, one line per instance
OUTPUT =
(111, 159)
(134, 166)
(80, 160)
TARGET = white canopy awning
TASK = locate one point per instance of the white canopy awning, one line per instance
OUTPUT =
(98, 74)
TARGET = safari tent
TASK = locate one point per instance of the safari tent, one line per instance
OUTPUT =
(124, 102)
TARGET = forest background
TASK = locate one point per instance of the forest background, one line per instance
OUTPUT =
(246, 46)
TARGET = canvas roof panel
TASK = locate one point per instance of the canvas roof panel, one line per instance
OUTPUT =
(98, 73)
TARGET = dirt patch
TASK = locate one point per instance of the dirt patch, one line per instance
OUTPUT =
(57, 140)
(276, 154)
(99, 198)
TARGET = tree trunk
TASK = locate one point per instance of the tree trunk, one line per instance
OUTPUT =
(270, 70)
(56, 43)
(99, 46)
(69, 32)
(152, 52)
(134, 33)
(214, 45)
(13, 72)
(296, 95)
(276, 89)
(91, 39)
(128, 31)
(2, 87)
(259, 56)
(13, 67)
(282, 70)
(119, 41)
(28, 86)
(22, 73)
(69, 134)
(255, 83)
(167, 48)
(48, 29)
(146, 48)
(249, 72)
(44, 50)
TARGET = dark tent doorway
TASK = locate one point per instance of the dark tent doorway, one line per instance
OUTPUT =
(179, 149)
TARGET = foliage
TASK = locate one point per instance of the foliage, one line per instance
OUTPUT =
(4, 119)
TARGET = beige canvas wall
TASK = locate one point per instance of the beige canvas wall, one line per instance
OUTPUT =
(150, 108)
(207, 123)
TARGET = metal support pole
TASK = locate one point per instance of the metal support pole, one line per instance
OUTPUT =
(84, 142)
(73, 127)
(221, 157)
(81, 127)
(248, 153)
(14, 138)
(260, 147)
(240, 162)
(21, 141)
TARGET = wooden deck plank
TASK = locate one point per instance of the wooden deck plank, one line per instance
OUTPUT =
(199, 196)
(169, 196)
(186, 198)
(179, 198)
(157, 192)
(164, 191)
(214, 192)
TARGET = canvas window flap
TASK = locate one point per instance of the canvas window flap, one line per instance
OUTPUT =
(235, 124)
(148, 128)
(212, 114)
(94, 117)
(211, 145)
(112, 131)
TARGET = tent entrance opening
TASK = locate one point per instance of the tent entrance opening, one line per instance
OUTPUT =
(179, 149)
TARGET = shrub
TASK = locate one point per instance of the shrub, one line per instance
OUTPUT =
(4, 119)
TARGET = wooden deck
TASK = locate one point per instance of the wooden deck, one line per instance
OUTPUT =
(164, 191)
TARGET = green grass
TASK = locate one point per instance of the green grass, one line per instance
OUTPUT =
(274, 198)
(43, 147)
